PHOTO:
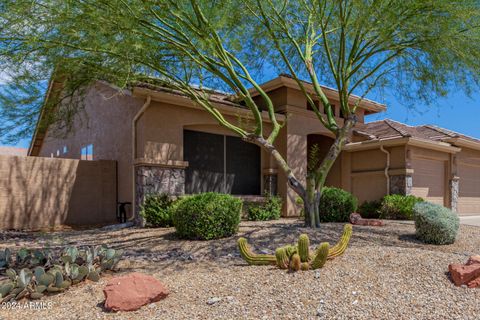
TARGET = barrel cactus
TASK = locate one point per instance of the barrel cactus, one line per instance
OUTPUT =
(298, 257)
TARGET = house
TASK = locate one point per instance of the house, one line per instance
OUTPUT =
(162, 142)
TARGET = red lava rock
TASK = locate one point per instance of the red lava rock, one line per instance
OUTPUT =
(464, 274)
(356, 219)
(474, 283)
(473, 260)
(132, 291)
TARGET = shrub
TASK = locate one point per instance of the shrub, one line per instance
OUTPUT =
(157, 210)
(269, 210)
(370, 209)
(398, 207)
(336, 205)
(207, 216)
(435, 224)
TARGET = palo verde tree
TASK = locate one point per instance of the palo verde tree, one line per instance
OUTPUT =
(418, 48)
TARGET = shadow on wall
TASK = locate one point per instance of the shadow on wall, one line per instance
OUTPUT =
(40, 193)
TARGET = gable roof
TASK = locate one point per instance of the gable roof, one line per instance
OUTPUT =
(390, 129)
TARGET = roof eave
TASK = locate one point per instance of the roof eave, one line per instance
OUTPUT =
(331, 93)
(397, 141)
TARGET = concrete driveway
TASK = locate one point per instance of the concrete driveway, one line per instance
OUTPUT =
(470, 220)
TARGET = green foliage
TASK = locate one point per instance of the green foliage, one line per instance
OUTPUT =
(271, 209)
(35, 273)
(370, 209)
(207, 216)
(297, 257)
(435, 224)
(157, 210)
(336, 205)
(398, 207)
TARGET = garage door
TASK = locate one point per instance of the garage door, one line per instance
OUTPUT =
(469, 189)
(429, 180)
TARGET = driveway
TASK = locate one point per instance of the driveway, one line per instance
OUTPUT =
(470, 220)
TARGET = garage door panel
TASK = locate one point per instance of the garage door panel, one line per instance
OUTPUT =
(469, 189)
(429, 179)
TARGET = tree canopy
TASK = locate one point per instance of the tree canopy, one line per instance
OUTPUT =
(419, 49)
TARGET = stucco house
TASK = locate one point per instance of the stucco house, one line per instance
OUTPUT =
(162, 142)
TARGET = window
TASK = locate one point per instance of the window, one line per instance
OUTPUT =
(221, 163)
(87, 152)
(65, 149)
(317, 104)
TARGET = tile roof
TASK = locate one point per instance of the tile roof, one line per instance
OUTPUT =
(384, 129)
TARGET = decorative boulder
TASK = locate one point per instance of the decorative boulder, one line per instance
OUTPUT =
(132, 291)
(467, 274)
(356, 219)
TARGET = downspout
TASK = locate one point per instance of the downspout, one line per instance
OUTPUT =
(134, 152)
(387, 167)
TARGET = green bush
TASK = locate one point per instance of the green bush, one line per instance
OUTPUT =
(207, 216)
(435, 224)
(269, 210)
(370, 209)
(398, 207)
(157, 210)
(336, 205)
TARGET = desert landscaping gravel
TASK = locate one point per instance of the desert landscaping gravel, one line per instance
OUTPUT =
(384, 274)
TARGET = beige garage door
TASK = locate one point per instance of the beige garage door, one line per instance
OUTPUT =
(429, 179)
(469, 191)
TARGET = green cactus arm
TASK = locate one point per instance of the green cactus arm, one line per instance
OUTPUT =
(303, 248)
(341, 246)
(295, 263)
(253, 258)
(281, 257)
(320, 256)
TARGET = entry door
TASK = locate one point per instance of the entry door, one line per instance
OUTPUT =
(220, 163)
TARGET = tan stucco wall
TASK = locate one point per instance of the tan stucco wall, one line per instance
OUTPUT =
(105, 122)
(38, 193)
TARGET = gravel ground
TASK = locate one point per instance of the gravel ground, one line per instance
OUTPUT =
(384, 274)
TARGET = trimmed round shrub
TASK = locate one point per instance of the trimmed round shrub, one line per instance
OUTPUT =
(269, 210)
(370, 209)
(336, 205)
(398, 207)
(435, 224)
(207, 216)
(156, 210)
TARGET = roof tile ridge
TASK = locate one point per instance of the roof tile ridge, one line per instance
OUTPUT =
(393, 125)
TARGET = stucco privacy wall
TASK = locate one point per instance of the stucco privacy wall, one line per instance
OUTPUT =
(38, 193)
(104, 121)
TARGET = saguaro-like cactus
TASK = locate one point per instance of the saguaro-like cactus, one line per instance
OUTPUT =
(282, 258)
(303, 248)
(320, 256)
(341, 246)
(298, 257)
(253, 258)
(295, 262)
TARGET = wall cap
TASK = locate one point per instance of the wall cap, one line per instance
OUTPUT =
(139, 162)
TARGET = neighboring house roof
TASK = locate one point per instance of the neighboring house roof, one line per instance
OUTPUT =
(390, 129)
(13, 151)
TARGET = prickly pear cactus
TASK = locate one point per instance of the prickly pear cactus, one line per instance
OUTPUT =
(36, 273)
(298, 257)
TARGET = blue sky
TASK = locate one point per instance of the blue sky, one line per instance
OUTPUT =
(456, 112)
